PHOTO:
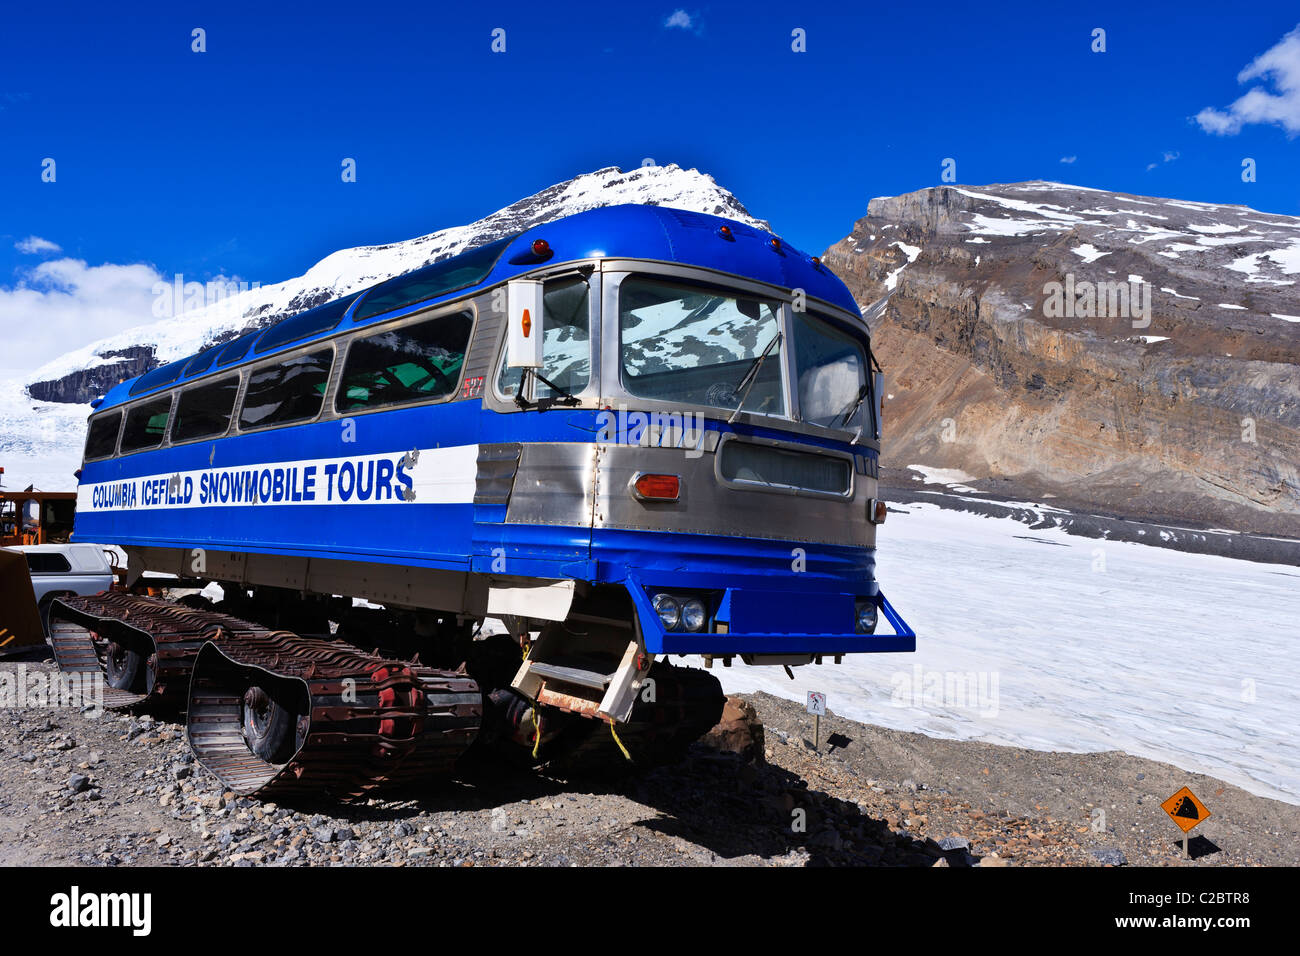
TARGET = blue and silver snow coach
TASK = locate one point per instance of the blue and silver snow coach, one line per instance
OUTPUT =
(629, 434)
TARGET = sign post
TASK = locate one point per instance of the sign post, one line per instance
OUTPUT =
(816, 707)
(1186, 811)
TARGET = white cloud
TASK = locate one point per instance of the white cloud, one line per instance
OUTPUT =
(1168, 156)
(1280, 65)
(35, 245)
(1068, 159)
(678, 18)
(61, 303)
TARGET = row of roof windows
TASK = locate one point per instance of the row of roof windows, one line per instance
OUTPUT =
(411, 288)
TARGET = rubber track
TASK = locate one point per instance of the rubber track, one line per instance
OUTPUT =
(374, 723)
(80, 628)
(368, 722)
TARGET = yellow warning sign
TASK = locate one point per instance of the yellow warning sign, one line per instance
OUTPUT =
(1185, 810)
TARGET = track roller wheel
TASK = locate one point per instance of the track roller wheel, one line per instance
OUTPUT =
(272, 728)
(129, 669)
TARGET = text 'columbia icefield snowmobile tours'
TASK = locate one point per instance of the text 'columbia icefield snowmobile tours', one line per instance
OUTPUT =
(632, 433)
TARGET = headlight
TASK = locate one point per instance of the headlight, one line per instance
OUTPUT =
(693, 615)
(866, 622)
(669, 611)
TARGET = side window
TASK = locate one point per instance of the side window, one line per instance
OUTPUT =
(47, 562)
(429, 282)
(832, 367)
(413, 363)
(146, 424)
(323, 318)
(101, 438)
(235, 350)
(205, 410)
(566, 348)
(289, 391)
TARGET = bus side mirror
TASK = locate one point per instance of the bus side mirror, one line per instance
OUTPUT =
(524, 308)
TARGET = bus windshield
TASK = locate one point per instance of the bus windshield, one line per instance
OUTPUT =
(699, 346)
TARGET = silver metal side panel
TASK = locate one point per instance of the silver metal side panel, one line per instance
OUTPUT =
(554, 484)
(708, 506)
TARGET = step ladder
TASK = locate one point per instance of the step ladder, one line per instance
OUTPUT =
(582, 685)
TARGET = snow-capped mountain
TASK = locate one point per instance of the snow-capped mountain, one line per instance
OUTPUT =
(86, 372)
(1131, 354)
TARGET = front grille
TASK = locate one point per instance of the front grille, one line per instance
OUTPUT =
(775, 467)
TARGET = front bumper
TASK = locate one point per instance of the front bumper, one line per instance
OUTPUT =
(775, 622)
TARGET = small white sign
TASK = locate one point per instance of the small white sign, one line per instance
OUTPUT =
(816, 703)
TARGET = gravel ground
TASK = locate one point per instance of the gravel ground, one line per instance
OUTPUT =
(122, 790)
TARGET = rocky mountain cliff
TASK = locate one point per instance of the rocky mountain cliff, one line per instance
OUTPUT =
(1136, 355)
(88, 372)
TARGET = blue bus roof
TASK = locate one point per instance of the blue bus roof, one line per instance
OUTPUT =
(627, 231)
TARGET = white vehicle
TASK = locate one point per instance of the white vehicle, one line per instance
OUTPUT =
(58, 570)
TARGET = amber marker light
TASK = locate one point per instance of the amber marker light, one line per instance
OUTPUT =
(657, 487)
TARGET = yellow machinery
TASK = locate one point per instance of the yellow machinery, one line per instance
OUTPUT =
(35, 517)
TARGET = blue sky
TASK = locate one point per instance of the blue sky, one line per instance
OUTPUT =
(228, 162)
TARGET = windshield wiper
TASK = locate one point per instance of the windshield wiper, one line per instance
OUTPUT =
(868, 388)
(861, 397)
(751, 376)
(564, 396)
